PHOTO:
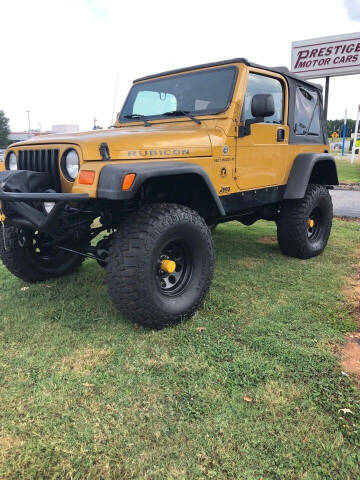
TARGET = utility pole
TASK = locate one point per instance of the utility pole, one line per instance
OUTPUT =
(344, 134)
(326, 101)
(355, 135)
(28, 112)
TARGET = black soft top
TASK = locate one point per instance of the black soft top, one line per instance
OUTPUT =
(293, 81)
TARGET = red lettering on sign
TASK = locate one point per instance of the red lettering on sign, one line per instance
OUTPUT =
(337, 54)
(301, 55)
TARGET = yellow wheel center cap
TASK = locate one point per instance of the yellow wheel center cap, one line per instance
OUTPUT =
(311, 223)
(168, 266)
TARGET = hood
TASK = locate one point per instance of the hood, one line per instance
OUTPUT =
(178, 139)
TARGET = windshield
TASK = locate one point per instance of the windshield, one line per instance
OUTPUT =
(200, 93)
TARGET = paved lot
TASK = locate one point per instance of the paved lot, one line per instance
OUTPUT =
(346, 203)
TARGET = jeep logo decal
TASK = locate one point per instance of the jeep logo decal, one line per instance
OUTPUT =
(158, 153)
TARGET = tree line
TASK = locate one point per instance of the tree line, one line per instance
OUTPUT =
(337, 126)
(4, 130)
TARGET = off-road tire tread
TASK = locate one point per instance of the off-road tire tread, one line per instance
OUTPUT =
(18, 267)
(129, 243)
(290, 227)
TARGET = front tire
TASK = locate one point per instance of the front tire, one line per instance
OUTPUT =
(139, 287)
(212, 227)
(27, 255)
(304, 225)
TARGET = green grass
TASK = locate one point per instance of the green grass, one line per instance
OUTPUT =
(348, 172)
(86, 395)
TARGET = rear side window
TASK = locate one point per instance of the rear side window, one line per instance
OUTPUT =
(263, 84)
(307, 112)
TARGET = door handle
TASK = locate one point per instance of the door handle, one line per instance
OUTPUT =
(280, 134)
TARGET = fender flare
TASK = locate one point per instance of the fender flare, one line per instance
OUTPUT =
(111, 178)
(321, 166)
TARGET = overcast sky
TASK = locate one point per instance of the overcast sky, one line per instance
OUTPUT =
(60, 59)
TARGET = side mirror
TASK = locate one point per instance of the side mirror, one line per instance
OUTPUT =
(262, 105)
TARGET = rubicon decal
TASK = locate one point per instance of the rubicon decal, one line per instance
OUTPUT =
(166, 152)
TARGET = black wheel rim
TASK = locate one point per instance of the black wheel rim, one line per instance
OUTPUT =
(39, 247)
(174, 283)
(314, 225)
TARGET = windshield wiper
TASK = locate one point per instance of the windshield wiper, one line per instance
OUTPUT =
(183, 112)
(140, 117)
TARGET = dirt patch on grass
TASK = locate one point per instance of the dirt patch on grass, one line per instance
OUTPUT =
(276, 395)
(84, 360)
(7, 445)
(345, 185)
(250, 262)
(348, 219)
(350, 353)
(352, 288)
(267, 240)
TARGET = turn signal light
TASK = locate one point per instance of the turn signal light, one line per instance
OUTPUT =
(128, 181)
(86, 177)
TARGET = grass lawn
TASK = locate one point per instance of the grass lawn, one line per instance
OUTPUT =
(249, 389)
(348, 172)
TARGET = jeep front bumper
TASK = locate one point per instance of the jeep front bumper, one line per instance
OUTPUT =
(20, 204)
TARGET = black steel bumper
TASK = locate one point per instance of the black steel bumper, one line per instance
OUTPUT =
(23, 214)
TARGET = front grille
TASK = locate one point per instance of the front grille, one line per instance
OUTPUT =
(46, 160)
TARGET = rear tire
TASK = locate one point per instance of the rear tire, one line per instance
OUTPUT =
(304, 226)
(22, 256)
(139, 288)
(212, 227)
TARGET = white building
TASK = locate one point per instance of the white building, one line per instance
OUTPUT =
(20, 136)
(66, 128)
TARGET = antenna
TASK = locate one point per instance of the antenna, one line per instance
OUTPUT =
(28, 112)
(115, 95)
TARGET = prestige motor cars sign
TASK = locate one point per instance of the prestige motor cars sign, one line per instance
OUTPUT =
(326, 56)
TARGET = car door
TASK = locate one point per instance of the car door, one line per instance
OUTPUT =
(261, 157)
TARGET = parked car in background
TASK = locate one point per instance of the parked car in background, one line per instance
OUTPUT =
(357, 147)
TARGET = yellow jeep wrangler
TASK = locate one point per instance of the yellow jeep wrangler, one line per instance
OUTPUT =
(191, 148)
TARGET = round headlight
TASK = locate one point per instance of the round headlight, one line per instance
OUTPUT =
(71, 165)
(12, 162)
